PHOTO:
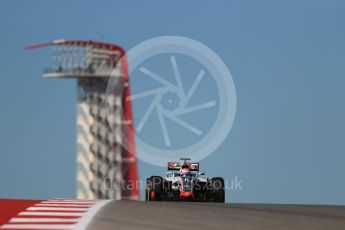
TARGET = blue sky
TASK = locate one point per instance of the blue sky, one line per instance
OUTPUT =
(286, 58)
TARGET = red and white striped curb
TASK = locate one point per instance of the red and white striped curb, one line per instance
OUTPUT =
(55, 214)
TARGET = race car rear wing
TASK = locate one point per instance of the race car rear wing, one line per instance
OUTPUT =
(177, 166)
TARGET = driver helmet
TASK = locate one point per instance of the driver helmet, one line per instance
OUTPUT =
(185, 170)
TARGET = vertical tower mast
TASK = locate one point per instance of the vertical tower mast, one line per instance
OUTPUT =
(99, 154)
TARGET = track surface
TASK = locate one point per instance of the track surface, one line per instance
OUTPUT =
(128, 215)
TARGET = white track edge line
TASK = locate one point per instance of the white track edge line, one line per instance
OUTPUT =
(42, 220)
(37, 226)
(62, 205)
(85, 220)
(56, 209)
(67, 202)
(29, 213)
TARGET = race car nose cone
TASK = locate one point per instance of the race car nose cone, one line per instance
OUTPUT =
(186, 194)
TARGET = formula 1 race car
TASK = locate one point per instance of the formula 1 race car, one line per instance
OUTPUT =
(183, 182)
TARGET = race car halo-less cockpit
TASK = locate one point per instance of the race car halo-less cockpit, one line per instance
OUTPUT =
(184, 182)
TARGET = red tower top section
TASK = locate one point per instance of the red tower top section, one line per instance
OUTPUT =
(91, 59)
(77, 58)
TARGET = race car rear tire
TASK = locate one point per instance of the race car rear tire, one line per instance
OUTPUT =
(146, 193)
(219, 196)
(216, 183)
(154, 184)
(216, 191)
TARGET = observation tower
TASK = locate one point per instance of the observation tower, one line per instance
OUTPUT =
(103, 164)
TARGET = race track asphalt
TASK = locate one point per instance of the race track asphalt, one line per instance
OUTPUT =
(128, 215)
